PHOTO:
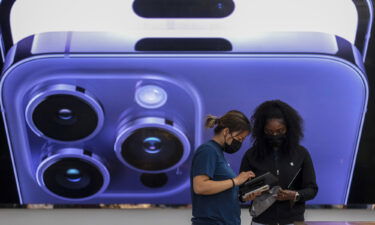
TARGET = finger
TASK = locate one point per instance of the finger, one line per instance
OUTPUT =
(250, 197)
(282, 197)
(247, 174)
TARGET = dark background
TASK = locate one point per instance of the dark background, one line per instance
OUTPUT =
(363, 183)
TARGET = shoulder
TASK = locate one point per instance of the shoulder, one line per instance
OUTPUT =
(250, 153)
(303, 153)
(205, 156)
(302, 150)
(206, 149)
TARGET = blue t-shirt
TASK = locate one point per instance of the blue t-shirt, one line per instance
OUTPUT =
(222, 208)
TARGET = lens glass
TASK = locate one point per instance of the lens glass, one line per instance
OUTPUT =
(73, 178)
(65, 114)
(152, 149)
(152, 145)
(65, 117)
(73, 175)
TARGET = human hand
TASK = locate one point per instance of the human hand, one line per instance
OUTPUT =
(284, 195)
(252, 196)
(243, 177)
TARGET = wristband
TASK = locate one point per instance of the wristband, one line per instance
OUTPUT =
(234, 184)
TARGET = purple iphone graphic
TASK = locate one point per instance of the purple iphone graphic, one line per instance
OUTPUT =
(105, 118)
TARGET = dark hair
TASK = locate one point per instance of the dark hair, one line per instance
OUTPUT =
(233, 120)
(276, 109)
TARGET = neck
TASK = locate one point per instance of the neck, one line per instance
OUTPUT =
(218, 140)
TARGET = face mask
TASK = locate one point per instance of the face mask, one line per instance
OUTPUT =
(233, 147)
(275, 141)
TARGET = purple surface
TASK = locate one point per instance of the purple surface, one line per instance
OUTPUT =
(329, 92)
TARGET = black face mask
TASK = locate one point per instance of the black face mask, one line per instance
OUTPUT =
(233, 147)
(275, 141)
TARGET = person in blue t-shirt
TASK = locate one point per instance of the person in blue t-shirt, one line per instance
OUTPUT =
(214, 185)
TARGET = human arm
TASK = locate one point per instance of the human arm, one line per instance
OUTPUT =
(203, 185)
(245, 166)
(203, 170)
(309, 187)
(252, 196)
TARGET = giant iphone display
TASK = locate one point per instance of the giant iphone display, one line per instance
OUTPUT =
(113, 118)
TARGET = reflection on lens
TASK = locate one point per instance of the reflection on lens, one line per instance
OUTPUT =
(73, 175)
(152, 145)
(65, 114)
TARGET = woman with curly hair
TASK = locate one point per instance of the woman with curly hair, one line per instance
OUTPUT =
(277, 131)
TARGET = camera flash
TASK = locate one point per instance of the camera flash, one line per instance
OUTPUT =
(150, 96)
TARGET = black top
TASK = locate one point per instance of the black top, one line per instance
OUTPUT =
(285, 167)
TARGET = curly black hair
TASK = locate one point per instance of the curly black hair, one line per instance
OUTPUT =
(276, 109)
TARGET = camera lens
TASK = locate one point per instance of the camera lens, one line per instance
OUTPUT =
(73, 176)
(63, 113)
(65, 117)
(150, 145)
(163, 149)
